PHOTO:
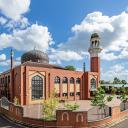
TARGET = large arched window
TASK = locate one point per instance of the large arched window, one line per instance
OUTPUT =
(71, 80)
(37, 87)
(57, 80)
(93, 84)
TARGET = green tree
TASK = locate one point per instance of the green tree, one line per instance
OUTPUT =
(113, 90)
(123, 82)
(116, 81)
(70, 67)
(16, 101)
(72, 106)
(123, 96)
(49, 107)
(100, 99)
(102, 82)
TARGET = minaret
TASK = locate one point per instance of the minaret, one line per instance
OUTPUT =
(11, 57)
(11, 87)
(84, 66)
(94, 51)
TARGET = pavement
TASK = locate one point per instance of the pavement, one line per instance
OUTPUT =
(4, 123)
(122, 124)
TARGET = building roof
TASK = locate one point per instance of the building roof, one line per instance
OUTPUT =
(35, 64)
(35, 56)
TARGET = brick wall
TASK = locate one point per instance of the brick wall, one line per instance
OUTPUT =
(64, 118)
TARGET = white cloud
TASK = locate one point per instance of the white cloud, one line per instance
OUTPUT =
(14, 8)
(106, 55)
(24, 40)
(2, 57)
(94, 21)
(21, 23)
(13, 11)
(2, 20)
(117, 70)
(112, 30)
(7, 62)
(58, 56)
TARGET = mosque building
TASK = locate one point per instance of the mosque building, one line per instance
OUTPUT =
(35, 79)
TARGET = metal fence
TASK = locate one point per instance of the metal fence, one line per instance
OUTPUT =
(4, 103)
(124, 106)
(97, 114)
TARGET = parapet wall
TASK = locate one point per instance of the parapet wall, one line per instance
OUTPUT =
(15, 113)
(64, 118)
(78, 119)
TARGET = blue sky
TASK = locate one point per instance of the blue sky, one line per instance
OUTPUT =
(63, 28)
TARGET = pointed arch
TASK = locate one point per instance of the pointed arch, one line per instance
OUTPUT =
(93, 83)
(57, 80)
(37, 87)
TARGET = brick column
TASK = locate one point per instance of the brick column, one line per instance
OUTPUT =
(68, 88)
(75, 89)
(12, 85)
(27, 86)
(60, 88)
(47, 85)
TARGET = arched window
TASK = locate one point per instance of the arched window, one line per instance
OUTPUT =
(8, 79)
(57, 80)
(37, 87)
(95, 42)
(71, 80)
(93, 84)
(79, 117)
(65, 80)
(78, 81)
(65, 116)
(92, 43)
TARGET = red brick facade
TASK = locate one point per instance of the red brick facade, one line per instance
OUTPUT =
(18, 81)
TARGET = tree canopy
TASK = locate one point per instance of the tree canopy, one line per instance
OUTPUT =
(116, 80)
(72, 106)
(101, 99)
(49, 107)
(70, 67)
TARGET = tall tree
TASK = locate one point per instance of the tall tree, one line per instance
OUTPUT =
(100, 99)
(123, 96)
(49, 106)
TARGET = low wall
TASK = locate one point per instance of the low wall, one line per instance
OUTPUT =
(116, 115)
(15, 113)
(79, 118)
(64, 118)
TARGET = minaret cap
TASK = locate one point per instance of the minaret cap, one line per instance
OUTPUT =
(95, 35)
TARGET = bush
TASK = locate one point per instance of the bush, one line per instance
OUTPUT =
(72, 106)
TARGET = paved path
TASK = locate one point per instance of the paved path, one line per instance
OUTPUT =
(123, 124)
(7, 124)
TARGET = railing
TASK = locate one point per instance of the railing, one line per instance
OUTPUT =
(124, 106)
(96, 113)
